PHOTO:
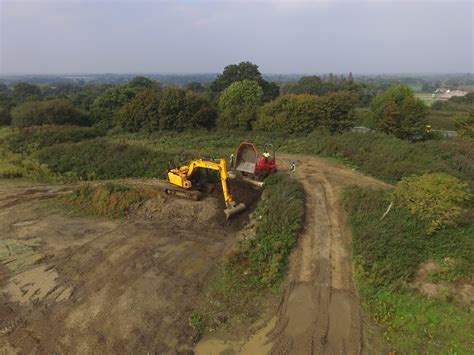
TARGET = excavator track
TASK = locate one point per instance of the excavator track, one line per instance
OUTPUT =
(168, 189)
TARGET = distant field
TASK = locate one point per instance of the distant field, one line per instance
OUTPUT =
(426, 97)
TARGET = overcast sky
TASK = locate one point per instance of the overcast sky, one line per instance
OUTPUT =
(196, 36)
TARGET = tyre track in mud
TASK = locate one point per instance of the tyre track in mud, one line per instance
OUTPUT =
(320, 310)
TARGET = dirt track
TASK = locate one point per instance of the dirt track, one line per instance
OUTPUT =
(320, 311)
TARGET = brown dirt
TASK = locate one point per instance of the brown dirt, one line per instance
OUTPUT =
(320, 310)
(92, 285)
(461, 291)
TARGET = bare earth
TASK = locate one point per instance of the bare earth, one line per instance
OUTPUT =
(82, 285)
(320, 311)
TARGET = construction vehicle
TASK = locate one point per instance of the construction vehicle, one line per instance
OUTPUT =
(251, 164)
(185, 177)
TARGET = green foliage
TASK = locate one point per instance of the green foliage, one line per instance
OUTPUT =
(289, 113)
(57, 111)
(279, 221)
(183, 109)
(387, 253)
(198, 322)
(464, 124)
(437, 198)
(23, 91)
(142, 112)
(5, 116)
(244, 71)
(398, 112)
(108, 200)
(336, 111)
(140, 82)
(238, 104)
(97, 159)
(106, 106)
(412, 323)
(33, 138)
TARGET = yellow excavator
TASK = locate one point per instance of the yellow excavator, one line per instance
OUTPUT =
(182, 177)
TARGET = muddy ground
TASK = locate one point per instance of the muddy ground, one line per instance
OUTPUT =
(95, 285)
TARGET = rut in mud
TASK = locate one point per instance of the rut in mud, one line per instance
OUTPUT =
(92, 285)
(320, 311)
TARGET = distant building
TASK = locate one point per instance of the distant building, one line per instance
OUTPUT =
(446, 94)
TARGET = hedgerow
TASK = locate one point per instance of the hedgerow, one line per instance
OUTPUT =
(97, 159)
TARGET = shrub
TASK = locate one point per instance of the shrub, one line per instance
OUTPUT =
(97, 159)
(398, 112)
(464, 124)
(57, 111)
(37, 137)
(106, 106)
(336, 111)
(238, 104)
(181, 109)
(289, 113)
(436, 198)
(142, 112)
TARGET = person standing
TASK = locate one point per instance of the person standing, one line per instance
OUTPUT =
(231, 161)
(292, 168)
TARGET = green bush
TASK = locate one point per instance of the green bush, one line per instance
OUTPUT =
(464, 124)
(238, 105)
(97, 159)
(437, 198)
(289, 113)
(37, 137)
(57, 111)
(398, 112)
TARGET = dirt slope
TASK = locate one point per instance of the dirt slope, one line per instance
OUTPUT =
(320, 311)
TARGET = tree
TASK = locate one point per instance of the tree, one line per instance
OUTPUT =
(142, 112)
(465, 124)
(398, 112)
(57, 111)
(107, 105)
(23, 91)
(336, 111)
(238, 105)
(5, 117)
(244, 71)
(140, 83)
(289, 113)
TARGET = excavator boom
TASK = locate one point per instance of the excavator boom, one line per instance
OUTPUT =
(181, 177)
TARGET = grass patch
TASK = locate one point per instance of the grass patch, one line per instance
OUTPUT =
(30, 139)
(97, 159)
(250, 277)
(386, 254)
(108, 200)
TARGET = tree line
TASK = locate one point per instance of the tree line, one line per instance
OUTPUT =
(239, 98)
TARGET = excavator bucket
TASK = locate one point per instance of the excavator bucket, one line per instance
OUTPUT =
(232, 211)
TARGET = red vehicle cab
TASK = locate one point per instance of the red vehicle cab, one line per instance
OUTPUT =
(250, 163)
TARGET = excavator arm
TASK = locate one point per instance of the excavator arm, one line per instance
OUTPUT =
(181, 177)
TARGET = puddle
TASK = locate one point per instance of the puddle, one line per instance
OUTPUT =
(257, 344)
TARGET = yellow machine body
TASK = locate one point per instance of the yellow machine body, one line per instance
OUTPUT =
(181, 177)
